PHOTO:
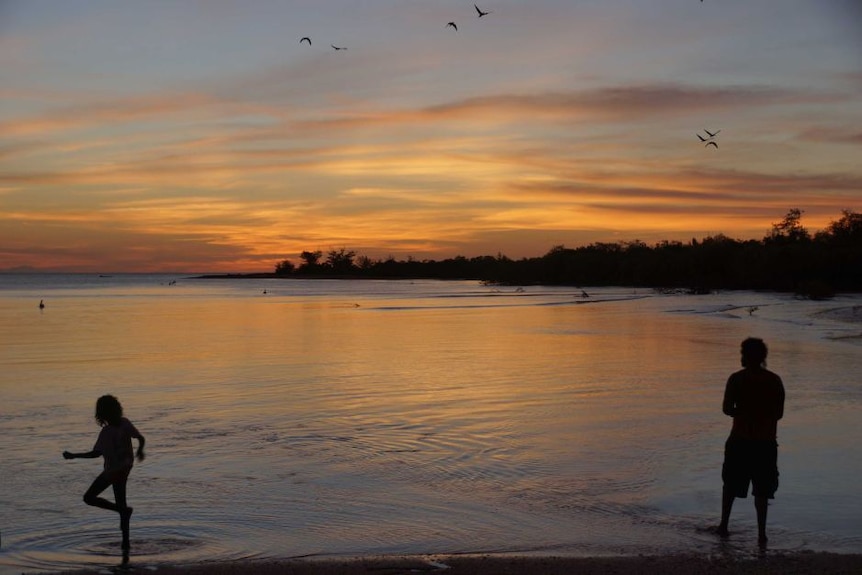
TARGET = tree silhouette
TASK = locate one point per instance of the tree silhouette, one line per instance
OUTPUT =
(788, 258)
(310, 261)
(284, 268)
(789, 229)
(340, 261)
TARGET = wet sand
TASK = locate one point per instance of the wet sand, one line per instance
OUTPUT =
(785, 564)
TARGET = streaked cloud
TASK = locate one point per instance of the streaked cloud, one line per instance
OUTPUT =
(576, 125)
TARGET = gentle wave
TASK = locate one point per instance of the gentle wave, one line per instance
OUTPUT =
(296, 423)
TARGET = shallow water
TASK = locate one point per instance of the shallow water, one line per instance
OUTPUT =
(359, 417)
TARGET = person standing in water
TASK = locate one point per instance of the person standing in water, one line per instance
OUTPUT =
(115, 446)
(754, 398)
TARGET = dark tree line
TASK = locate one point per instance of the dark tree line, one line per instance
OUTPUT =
(788, 258)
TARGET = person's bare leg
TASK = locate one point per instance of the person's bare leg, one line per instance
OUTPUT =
(91, 497)
(761, 504)
(726, 505)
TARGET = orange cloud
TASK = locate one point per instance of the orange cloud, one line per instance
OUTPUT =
(246, 185)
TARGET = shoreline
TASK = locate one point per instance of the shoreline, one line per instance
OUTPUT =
(794, 563)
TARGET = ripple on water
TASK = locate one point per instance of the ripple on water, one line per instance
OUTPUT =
(69, 545)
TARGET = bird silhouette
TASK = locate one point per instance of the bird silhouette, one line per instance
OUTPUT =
(453, 25)
(41, 304)
(480, 12)
(711, 143)
(305, 39)
(711, 135)
(702, 139)
(338, 47)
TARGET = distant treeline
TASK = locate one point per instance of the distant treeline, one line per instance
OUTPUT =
(788, 258)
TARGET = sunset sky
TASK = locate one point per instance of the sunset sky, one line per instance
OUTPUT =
(202, 136)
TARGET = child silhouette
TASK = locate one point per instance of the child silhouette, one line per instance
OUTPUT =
(115, 446)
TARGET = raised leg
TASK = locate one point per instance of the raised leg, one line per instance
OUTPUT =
(91, 497)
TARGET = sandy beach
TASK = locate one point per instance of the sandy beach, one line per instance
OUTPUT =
(785, 564)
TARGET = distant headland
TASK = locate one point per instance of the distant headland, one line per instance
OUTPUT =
(788, 259)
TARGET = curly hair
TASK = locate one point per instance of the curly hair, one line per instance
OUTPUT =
(108, 410)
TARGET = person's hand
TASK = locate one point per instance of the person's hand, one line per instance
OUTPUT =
(68, 455)
(141, 455)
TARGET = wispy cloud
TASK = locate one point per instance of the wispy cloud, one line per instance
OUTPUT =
(844, 135)
(229, 142)
(92, 115)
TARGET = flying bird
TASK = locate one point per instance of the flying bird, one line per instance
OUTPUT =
(338, 47)
(711, 137)
(305, 39)
(480, 12)
(453, 25)
(711, 143)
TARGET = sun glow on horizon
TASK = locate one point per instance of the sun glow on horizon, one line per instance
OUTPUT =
(553, 124)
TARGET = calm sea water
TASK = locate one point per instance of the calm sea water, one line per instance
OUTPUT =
(366, 417)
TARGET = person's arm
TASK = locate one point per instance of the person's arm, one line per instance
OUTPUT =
(86, 455)
(133, 431)
(141, 455)
(728, 406)
(780, 413)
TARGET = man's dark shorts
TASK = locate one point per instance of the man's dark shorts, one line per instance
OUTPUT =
(748, 461)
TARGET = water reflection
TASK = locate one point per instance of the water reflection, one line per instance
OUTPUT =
(297, 423)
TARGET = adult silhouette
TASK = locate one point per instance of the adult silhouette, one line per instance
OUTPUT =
(754, 398)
